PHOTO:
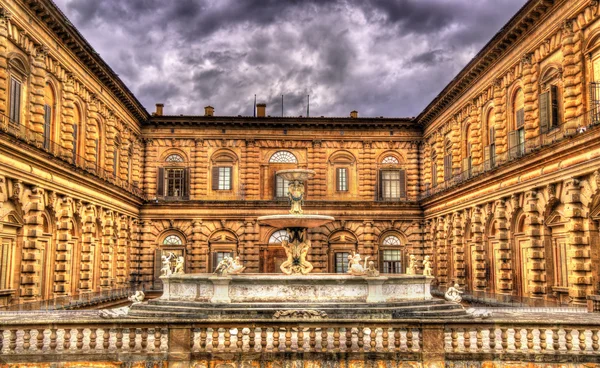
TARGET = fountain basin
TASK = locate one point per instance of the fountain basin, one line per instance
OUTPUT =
(295, 221)
(296, 174)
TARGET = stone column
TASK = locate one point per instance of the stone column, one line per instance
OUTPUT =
(412, 170)
(67, 121)
(501, 122)
(4, 19)
(251, 257)
(318, 162)
(150, 170)
(202, 167)
(459, 250)
(136, 161)
(578, 249)
(572, 62)
(252, 179)
(197, 258)
(366, 172)
(504, 273)
(536, 261)
(318, 253)
(64, 252)
(106, 251)
(441, 261)
(478, 256)
(134, 252)
(31, 264)
(88, 246)
(36, 98)
(147, 258)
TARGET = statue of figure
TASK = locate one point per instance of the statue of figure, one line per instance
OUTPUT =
(306, 267)
(354, 266)
(296, 249)
(179, 266)
(286, 266)
(453, 294)
(296, 195)
(166, 265)
(412, 265)
(371, 271)
(224, 266)
(427, 267)
(235, 266)
(138, 297)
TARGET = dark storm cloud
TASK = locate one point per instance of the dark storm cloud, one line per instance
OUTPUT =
(381, 57)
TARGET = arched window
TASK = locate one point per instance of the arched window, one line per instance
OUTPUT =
(283, 157)
(278, 237)
(390, 160)
(447, 159)
(550, 99)
(281, 160)
(516, 137)
(18, 74)
(173, 178)
(392, 179)
(172, 240)
(49, 113)
(76, 129)
(391, 254)
(174, 158)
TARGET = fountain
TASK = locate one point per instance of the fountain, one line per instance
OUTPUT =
(361, 293)
(296, 223)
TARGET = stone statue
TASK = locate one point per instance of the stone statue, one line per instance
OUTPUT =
(412, 265)
(166, 265)
(427, 267)
(138, 297)
(355, 267)
(371, 271)
(296, 249)
(453, 294)
(296, 195)
(224, 266)
(235, 266)
(179, 266)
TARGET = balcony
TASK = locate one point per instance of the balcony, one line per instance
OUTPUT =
(60, 154)
(590, 120)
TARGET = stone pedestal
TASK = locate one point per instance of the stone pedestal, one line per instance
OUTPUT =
(375, 289)
(220, 289)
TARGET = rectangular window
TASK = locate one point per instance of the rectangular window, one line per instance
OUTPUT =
(393, 184)
(116, 161)
(218, 257)
(4, 264)
(555, 119)
(595, 97)
(434, 174)
(549, 114)
(281, 187)
(75, 133)
(15, 101)
(448, 167)
(224, 178)
(174, 179)
(560, 262)
(341, 262)
(391, 261)
(342, 179)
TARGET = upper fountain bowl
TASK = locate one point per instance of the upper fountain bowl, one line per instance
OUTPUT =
(296, 174)
(295, 221)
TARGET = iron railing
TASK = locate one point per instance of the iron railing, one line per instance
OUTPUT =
(589, 120)
(39, 141)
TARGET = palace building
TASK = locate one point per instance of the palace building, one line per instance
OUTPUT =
(497, 179)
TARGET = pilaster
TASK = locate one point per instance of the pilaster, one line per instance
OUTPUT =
(4, 19)
(67, 121)
(441, 261)
(64, 248)
(536, 262)
(88, 248)
(479, 251)
(459, 250)
(121, 251)
(106, 252)
(504, 262)
(31, 260)
(572, 76)
(36, 98)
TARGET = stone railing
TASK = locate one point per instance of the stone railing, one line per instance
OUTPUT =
(77, 339)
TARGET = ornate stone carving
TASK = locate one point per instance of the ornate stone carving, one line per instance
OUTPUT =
(305, 314)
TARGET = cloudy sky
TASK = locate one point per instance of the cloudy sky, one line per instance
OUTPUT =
(380, 57)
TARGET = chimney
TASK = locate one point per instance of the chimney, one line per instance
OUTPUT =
(353, 114)
(159, 109)
(209, 111)
(261, 110)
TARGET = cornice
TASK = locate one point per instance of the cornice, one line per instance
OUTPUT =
(525, 19)
(49, 14)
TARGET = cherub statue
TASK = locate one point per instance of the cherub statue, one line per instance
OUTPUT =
(235, 266)
(354, 266)
(412, 265)
(371, 271)
(427, 267)
(223, 266)
(166, 265)
(138, 297)
(453, 294)
(179, 266)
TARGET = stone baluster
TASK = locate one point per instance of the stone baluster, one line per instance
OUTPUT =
(67, 339)
(348, 340)
(518, 346)
(157, 339)
(263, 339)
(39, 337)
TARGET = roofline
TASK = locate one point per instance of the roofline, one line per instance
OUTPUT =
(288, 121)
(522, 21)
(51, 15)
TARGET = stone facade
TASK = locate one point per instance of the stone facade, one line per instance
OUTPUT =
(497, 179)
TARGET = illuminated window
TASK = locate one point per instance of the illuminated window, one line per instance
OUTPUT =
(172, 240)
(174, 158)
(278, 237)
(390, 160)
(283, 157)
